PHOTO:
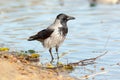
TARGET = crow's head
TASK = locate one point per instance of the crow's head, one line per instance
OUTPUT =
(64, 18)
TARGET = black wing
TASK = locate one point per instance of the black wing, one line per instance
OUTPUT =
(42, 34)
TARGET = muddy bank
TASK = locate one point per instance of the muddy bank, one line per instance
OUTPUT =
(12, 68)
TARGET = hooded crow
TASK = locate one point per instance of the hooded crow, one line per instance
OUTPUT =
(54, 34)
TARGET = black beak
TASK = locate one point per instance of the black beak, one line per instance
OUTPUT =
(70, 18)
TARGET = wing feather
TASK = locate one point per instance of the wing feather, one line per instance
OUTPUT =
(41, 35)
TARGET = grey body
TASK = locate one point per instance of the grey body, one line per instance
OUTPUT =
(55, 34)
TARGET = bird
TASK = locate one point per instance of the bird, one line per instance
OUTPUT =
(54, 35)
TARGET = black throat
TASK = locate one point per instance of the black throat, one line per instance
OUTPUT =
(64, 23)
(64, 29)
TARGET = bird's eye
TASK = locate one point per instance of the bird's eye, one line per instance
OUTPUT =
(65, 18)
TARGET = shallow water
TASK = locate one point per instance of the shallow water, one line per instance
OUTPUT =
(95, 30)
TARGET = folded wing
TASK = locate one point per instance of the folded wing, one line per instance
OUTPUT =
(41, 35)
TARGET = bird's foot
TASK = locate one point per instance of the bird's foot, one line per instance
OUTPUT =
(51, 60)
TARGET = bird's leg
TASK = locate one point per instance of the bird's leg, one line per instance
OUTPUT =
(57, 56)
(57, 52)
(51, 55)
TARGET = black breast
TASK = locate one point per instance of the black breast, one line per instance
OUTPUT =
(63, 30)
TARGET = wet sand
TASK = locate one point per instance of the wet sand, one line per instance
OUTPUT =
(12, 68)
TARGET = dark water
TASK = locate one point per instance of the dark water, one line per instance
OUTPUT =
(95, 30)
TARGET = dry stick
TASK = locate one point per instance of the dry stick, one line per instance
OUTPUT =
(86, 61)
(102, 54)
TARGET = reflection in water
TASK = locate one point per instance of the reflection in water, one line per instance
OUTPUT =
(86, 38)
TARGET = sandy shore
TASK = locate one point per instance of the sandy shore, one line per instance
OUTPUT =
(12, 68)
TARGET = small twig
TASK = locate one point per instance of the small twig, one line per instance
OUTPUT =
(102, 55)
(86, 61)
